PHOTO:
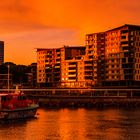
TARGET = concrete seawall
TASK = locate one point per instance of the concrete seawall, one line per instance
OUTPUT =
(89, 102)
(84, 97)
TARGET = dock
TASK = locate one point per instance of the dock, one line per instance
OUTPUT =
(84, 97)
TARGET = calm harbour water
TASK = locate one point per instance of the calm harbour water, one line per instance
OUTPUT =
(75, 124)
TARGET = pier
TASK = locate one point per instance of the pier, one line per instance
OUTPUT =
(84, 97)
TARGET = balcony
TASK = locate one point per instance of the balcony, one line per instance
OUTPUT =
(72, 70)
(88, 73)
(72, 63)
(72, 66)
(57, 67)
(72, 75)
(123, 32)
(112, 74)
(72, 78)
(88, 68)
(90, 57)
(88, 63)
(125, 48)
(57, 60)
(88, 78)
(124, 38)
(124, 43)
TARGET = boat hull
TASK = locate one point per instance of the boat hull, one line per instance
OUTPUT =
(22, 113)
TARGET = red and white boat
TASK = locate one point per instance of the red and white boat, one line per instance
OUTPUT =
(16, 106)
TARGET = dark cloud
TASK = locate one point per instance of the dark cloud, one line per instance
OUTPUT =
(18, 15)
(14, 7)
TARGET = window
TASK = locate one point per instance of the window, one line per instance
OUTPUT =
(123, 37)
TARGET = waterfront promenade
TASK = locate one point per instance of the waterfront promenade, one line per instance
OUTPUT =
(84, 97)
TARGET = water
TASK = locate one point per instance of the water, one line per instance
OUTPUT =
(75, 124)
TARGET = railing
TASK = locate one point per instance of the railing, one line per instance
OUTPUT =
(80, 92)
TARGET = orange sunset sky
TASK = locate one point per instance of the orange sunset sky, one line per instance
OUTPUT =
(29, 24)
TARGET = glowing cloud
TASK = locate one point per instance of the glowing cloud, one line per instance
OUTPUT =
(70, 19)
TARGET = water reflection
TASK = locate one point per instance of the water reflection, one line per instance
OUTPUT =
(76, 124)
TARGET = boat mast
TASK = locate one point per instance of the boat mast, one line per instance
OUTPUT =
(8, 77)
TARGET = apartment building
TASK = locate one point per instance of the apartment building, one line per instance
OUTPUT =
(68, 66)
(122, 55)
(1, 52)
(95, 53)
(41, 66)
(48, 67)
(110, 58)
(116, 56)
(72, 66)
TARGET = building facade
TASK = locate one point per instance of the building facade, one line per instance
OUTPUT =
(48, 67)
(68, 66)
(110, 58)
(122, 56)
(95, 51)
(72, 66)
(1, 52)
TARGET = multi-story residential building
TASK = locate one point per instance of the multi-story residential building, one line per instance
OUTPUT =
(41, 68)
(72, 66)
(122, 55)
(116, 56)
(95, 52)
(48, 67)
(64, 67)
(110, 58)
(1, 52)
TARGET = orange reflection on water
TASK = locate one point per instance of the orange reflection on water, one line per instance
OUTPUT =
(82, 124)
(72, 124)
(79, 123)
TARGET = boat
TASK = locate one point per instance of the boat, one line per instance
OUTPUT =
(16, 106)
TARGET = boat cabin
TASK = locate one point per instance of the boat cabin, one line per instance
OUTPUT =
(13, 101)
(1, 98)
